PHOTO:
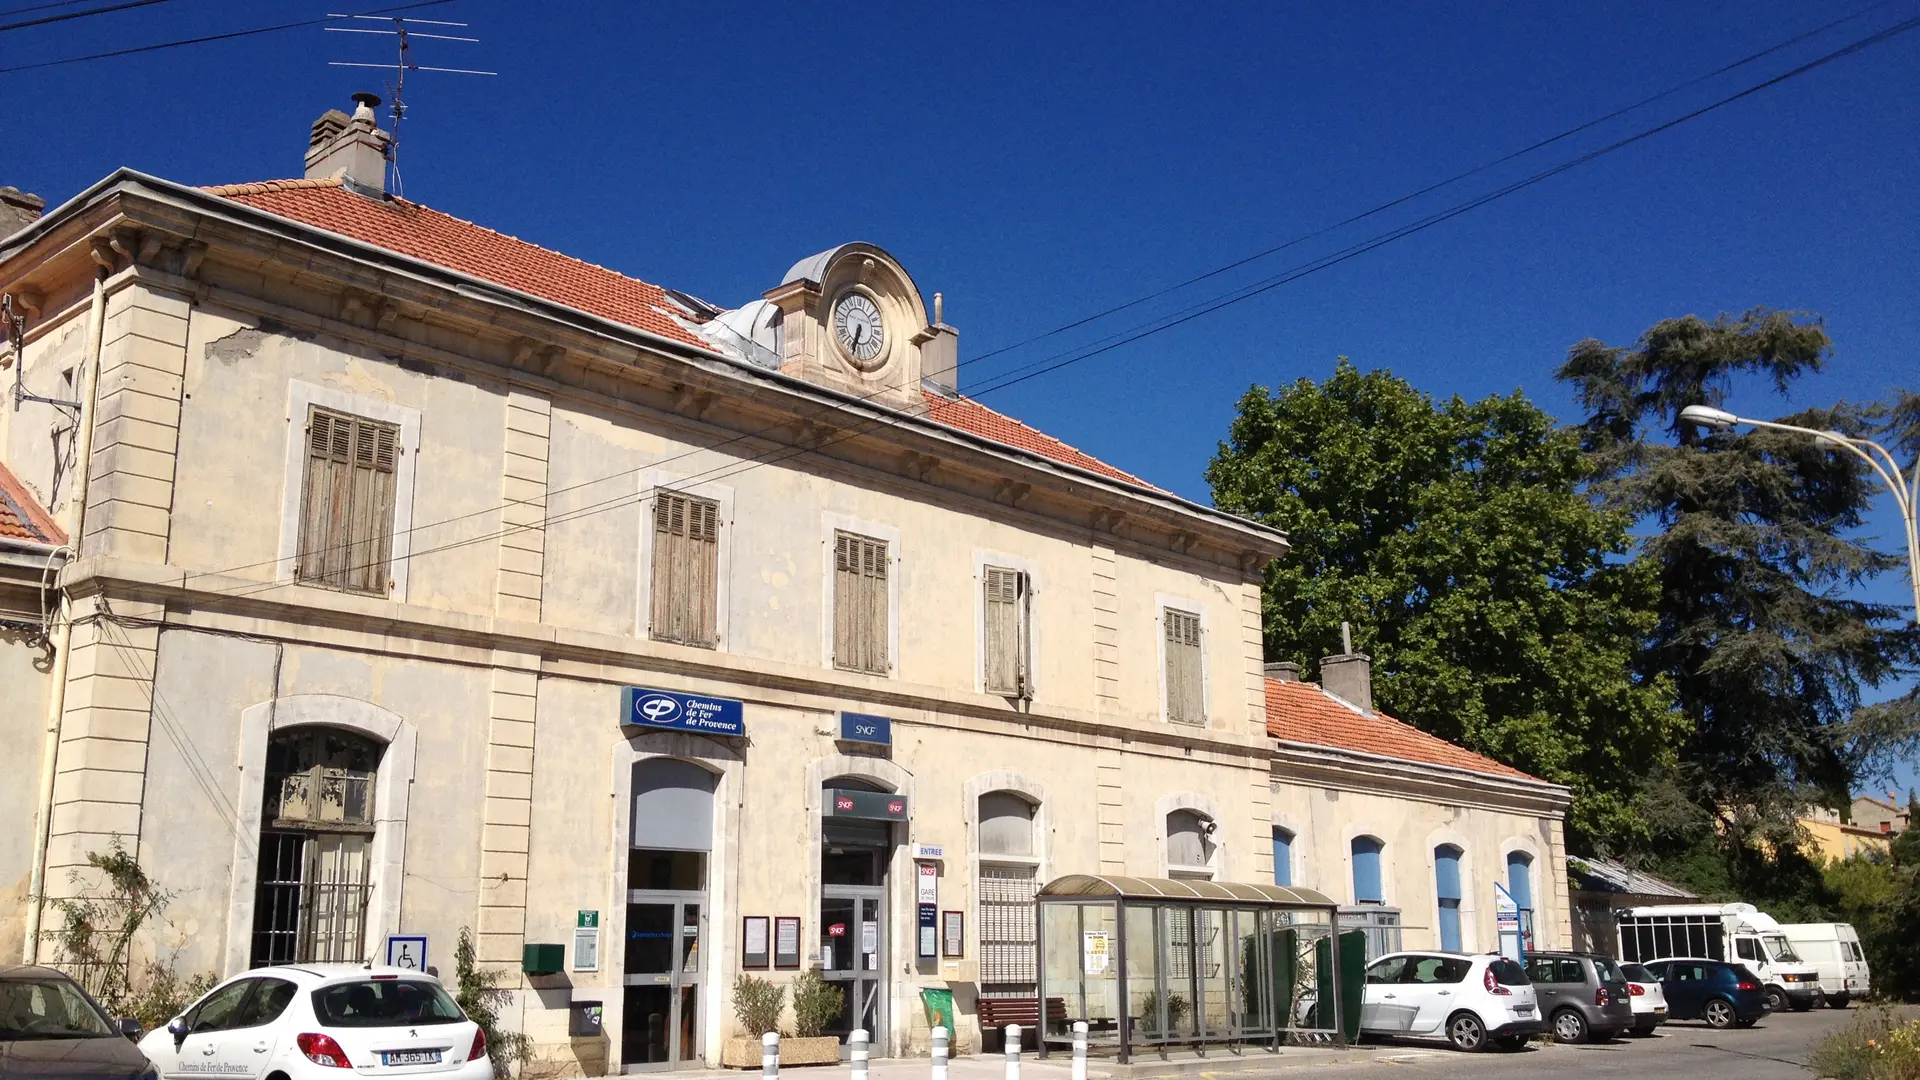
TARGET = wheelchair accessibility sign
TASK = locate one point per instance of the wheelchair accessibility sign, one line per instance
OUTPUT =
(407, 951)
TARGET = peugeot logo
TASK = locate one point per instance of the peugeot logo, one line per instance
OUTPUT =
(658, 709)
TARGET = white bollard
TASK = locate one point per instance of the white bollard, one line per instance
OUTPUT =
(857, 1043)
(940, 1052)
(770, 1056)
(1013, 1051)
(1079, 1050)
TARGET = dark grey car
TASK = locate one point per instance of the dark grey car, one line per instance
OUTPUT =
(51, 1030)
(1582, 996)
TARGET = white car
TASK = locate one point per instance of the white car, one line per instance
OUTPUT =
(321, 1022)
(1470, 1001)
(1649, 999)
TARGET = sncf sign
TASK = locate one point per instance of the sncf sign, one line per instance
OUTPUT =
(868, 805)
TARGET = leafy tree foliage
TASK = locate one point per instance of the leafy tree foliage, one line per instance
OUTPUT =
(1492, 594)
(1753, 559)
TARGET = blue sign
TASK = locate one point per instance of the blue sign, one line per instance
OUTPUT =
(859, 727)
(407, 951)
(641, 707)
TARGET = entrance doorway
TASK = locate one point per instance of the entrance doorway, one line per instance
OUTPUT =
(664, 961)
(854, 855)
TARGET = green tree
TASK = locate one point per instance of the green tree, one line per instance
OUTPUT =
(1491, 593)
(1754, 558)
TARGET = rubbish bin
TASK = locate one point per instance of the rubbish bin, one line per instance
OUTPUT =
(939, 1006)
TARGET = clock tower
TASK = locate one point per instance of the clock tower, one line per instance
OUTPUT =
(853, 320)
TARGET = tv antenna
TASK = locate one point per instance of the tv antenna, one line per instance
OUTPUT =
(404, 33)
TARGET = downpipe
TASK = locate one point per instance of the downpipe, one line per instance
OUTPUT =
(62, 636)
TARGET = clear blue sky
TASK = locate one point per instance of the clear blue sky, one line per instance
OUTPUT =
(1038, 162)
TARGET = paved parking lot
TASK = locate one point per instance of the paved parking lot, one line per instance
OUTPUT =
(1771, 1050)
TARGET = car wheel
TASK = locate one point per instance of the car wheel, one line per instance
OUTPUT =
(1719, 1013)
(1776, 999)
(1569, 1026)
(1466, 1032)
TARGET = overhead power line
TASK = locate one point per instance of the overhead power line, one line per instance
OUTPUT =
(1070, 357)
(44, 19)
(205, 39)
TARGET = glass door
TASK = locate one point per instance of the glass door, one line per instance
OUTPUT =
(661, 1012)
(852, 948)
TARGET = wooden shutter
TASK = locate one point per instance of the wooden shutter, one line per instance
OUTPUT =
(346, 513)
(686, 570)
(1007, 633)
(860, 607)
(1184, 705)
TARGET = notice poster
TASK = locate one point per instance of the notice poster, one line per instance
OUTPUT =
(786, 942)
(1094, 952)
(929, 932)
(757, 935)
(953, 933)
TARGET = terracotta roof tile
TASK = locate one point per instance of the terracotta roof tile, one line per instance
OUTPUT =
(443, 240)
(21, 515)
(1304, 713)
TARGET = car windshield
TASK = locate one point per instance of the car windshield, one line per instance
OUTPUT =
(1607, 970)
(1636, 973)
(1778, 948)
(1508, 973)
(48, 1009)
(384, 1003)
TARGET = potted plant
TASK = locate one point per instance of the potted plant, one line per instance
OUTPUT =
(756, 1004)
(816, 1003)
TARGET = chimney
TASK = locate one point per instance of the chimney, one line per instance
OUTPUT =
(350, 146)
(1349, 675)
(18, 209)
(1283, 671)
(940, 353)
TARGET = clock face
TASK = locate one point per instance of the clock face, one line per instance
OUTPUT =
(856, 322)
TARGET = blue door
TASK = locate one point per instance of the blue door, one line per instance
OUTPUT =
(1446, 886)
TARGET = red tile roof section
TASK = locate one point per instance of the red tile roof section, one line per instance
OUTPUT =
(444, 240)
(1303, 713)
(434, 237)
(21, 515)
(970, 416)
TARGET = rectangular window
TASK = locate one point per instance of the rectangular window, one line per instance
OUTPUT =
(346, 508)
(1009, 657)
(860, 606)
(1185, 704)
(686, 570)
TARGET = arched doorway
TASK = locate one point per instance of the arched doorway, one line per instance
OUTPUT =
(669, 842)
(317, 828)
(856, 846)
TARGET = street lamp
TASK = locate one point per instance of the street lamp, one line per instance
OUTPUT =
(1906, 497)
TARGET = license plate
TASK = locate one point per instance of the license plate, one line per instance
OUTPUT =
(1523, 1010)
(410, 1057)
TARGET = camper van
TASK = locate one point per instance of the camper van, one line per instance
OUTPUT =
(1834, 951)
(1737, 933)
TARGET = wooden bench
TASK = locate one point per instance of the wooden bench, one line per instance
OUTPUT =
(996, 1013)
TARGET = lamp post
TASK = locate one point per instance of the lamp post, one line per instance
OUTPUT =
(1906, 491)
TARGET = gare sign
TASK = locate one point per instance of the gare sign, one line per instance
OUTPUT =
(641, 707)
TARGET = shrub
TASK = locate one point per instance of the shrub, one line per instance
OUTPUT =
(480, 996)
(816, 1003)
(1874, 1047)
(161, 995)
(756, 1004)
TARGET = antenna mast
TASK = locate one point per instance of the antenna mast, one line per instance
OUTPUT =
(404, 34)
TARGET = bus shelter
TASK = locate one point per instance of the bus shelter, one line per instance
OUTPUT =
(1156, 963)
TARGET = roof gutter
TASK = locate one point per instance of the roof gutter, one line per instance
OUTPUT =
(487, 290)
(1544, 787)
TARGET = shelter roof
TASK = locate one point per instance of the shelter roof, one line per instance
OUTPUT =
(1193, 891)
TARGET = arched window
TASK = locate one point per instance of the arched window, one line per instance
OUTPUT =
(1009, 880)
(672, 827)
(1520, 887)
(1366, 871)
(316, 838)
(1282, 856)
(1190, 844)
(1446, 887)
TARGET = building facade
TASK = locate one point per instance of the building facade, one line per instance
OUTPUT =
(429, 580)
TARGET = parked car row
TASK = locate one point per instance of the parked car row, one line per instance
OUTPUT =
(310, 1022)
(1477, 1002)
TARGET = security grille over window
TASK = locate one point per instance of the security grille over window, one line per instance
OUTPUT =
(1184, 697)
(686, 570)
(316, 842)
(1009, 648)
(1006, 930)
(860, 603)
(346, 509)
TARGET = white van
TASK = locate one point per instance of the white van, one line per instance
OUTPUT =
(1834, 950)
